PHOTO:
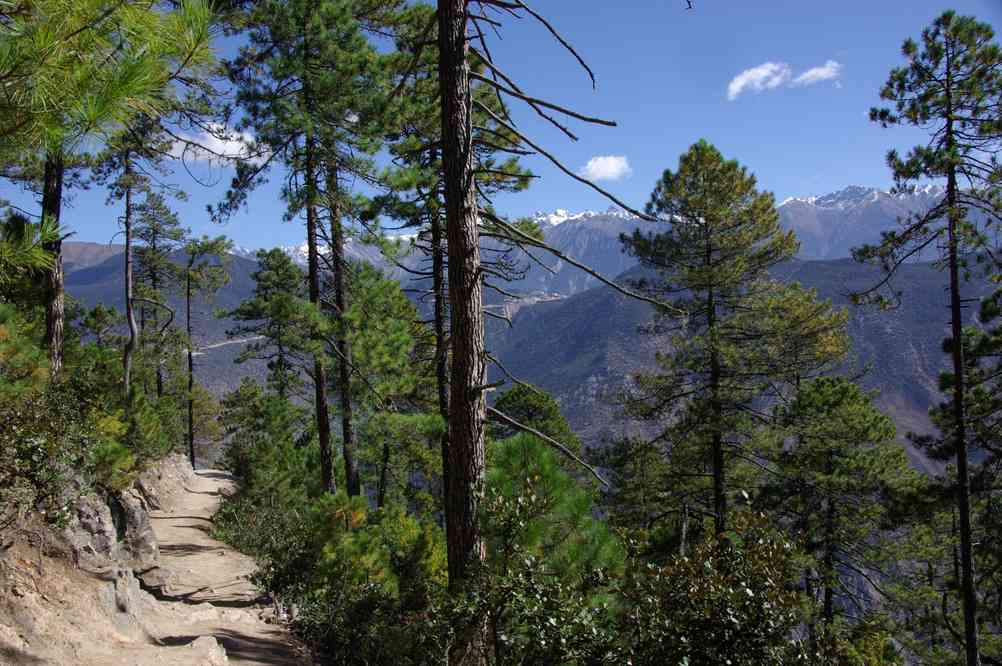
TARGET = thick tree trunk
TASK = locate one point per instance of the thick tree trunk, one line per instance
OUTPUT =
(52, 201)
(441, 341)
(191, 367)
(130, 315)
(313, 277)
(352, 482)
(968, 593)
(313, 273)
(466, 396)
(467, 404)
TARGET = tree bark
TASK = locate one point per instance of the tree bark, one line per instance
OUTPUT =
(155, 317)
(968, 593)
(52, 201)
(384, 475)
(716, 409)
(441, 341)
(466, 397)
(313, 272)
(352, 483)
(467, 404)
(130, 315)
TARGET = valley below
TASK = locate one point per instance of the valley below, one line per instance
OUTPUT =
(582, 341)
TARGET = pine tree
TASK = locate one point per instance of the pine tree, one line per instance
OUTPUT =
(279, 313)
(951, 87)
(835, 477)
(537, 409)
(22, 252)
(132, 164)
(309, 82)
(722, 236)
(389, 377)
(103, 65)
(156, 274)
(205, 272)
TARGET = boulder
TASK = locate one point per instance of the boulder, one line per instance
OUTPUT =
(138, 542)
(208, 649)
(91, 534)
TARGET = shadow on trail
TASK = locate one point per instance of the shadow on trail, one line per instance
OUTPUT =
(269, 649)
(12, 655)
(187, 549)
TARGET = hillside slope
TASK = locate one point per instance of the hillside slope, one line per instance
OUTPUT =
(583, 348)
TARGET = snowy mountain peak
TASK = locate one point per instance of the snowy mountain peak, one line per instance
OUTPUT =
(852, 196)
(855, 196)
(561, 215)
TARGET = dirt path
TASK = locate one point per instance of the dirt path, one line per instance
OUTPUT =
(201, 609)
(209, 590)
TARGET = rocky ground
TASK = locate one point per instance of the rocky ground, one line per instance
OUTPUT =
(137, 580)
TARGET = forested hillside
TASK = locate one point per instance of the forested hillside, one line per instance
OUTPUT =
(702, 427)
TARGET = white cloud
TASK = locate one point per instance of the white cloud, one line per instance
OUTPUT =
(766, 76)
(772, 75)
(826, 72)
(218, 145)
(606, 167)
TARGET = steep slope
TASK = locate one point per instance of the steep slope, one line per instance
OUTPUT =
(584, 348)
(102, 283)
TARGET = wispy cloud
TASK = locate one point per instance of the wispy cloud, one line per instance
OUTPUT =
(826, 72)
(772, 75)
(606, 167)
(766, 76)
(217, 144)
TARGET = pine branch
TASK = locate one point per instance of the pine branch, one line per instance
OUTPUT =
(501, 417)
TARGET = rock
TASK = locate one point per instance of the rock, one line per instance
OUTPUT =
(208, 648)
(135, 532)
(113, 531)
(155, 580)
(91, 535)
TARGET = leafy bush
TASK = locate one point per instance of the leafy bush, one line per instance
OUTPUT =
(726, 603)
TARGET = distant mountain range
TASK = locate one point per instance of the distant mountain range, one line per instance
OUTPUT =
(581, 340)
(828, 227)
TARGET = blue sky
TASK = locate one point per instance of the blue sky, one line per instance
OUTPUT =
(811, 70)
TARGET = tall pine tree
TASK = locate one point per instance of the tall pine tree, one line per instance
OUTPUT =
(951, 86)
(721, 236)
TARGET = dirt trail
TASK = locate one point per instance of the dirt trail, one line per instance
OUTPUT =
(209, 590)
(201, 609)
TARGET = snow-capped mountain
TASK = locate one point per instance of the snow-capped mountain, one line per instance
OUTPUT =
(355, 249)
(561, 215)
(829, 226)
